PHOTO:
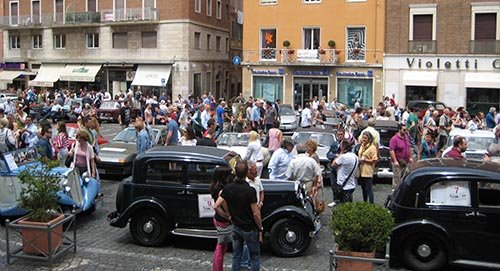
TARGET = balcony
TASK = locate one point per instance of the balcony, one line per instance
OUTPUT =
(79, 18)
(422, 47)
(291, 56)
(485, 47)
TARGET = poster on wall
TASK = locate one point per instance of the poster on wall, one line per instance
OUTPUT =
(269, 92)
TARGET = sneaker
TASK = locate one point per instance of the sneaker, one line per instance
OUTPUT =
(332, 204)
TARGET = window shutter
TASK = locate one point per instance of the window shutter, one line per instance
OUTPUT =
(486, 26)
(422, 27)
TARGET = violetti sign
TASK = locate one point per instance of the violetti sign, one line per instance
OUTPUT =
(443, 63)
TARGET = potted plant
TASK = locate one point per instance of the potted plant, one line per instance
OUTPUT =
(356, 50)
(331, 43)
(287, 44)
(360, 229)
(39, 197)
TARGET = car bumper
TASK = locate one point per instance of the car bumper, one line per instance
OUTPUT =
(108, 168)
(384, 173)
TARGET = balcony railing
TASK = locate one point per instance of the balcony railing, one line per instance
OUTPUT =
(422, 47)
(485, 46)
(72, 18)
(291, 56)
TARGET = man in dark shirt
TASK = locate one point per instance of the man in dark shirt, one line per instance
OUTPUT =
(125, 115)
(207, 140)
(244, 213)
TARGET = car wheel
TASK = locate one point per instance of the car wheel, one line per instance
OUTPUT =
(148, 228)
(289, 238)
(424, 252)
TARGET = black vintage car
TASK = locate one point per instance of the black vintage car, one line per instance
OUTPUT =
(447, 211)
(168, 193)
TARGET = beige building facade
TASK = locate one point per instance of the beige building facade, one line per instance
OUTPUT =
(168, 46)
(444, 50)
(297, 50)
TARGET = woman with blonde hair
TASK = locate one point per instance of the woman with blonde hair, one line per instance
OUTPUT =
(254, 151)
(367, 155)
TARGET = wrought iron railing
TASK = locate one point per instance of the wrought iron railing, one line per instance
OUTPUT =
(422, 47)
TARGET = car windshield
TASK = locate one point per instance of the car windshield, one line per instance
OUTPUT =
(109, 105)
(71, 132)
(233, 140)
(19, 157)
(127, 135)
(286, 111)
(439, 106)
(475, 143)
(323, 139)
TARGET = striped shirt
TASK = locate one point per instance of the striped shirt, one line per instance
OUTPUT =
(61, 141)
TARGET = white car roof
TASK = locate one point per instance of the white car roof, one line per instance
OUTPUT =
(476, 133)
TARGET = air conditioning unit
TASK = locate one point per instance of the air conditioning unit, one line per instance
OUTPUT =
(130, 75)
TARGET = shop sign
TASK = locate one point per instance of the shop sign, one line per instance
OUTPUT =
(80, 70)
(496, 63)
(13, 66)
(369, 73)
(323, 72)
(269, 72)
(441, 64)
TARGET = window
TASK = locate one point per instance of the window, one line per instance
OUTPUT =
(227, 44)
(15, 42)
(209, 7)
(149, 39)
(268, 44)
(165, 172)
(217, 43)
(92, 5)
(311, 1)
(449, 193)
(120, 40)
(218, 9)
(200, 172)
(209, 38)
(197, 84)
(60, 41)
(268, 2)
(93, 40)
(197, 36)
(485, 33)
(197, 6)
(37, 42)
(59, 11)
(311, 38)
(14, 13)
(422, 27)
(356, 45)
(488, 194)
(209, 81)
(35, 12)
(119, 10)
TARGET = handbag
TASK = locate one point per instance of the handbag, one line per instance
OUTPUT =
(319, 202)
(337, 189)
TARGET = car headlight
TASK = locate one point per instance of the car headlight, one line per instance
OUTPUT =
(67, 189)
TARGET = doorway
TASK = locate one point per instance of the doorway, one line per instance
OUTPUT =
(306, 88)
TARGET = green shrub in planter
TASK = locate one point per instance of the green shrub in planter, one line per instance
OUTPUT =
(361, 226)
(286, 43)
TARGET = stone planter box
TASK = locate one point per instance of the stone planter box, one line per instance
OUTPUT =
(377, 263)
(64, 240)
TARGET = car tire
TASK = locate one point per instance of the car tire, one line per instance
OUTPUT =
(289, 238)
(424, 252)
(148, 228)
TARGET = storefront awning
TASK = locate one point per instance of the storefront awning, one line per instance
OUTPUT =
(47, 75)
(152, 75)
(80, 73)
(420, 78)
(482, 80)
(8, 76)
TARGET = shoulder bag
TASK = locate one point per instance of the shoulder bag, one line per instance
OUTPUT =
(337, 189)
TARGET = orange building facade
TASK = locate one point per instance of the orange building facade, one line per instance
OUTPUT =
(294, 50)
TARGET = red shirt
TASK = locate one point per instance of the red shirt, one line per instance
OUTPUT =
(454, 153)
(401, 147)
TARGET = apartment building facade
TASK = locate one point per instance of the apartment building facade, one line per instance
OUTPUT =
(444, 50)
(294, 50)
(168, 46)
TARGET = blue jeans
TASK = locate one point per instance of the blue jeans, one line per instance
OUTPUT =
(251, 238)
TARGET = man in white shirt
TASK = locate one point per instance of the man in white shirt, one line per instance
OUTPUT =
(346, 165)
(306, 117)
(305, 170)
(205, 116)
(280, 160)
(254, 181)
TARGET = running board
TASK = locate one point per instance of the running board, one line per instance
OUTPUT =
(212, 234)
(478, 264)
